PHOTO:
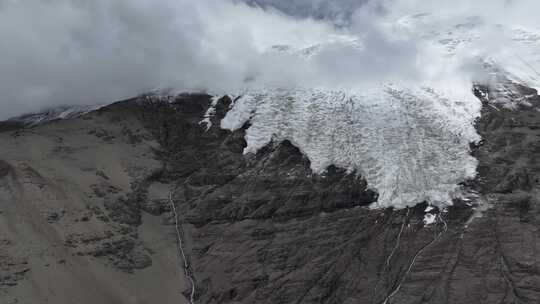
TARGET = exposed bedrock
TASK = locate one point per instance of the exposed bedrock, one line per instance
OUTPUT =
(263, 229)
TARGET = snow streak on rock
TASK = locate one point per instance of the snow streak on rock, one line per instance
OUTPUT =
(209, 113)
(411, 145)
(63, 112)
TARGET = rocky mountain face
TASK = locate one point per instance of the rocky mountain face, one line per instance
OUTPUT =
(92, 208)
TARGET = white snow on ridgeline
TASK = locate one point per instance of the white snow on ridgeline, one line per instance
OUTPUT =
(412, 145)
(56, 113)
(311, 50)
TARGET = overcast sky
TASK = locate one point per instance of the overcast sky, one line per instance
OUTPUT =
(56, 52)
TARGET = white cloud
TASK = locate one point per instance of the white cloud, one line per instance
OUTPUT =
(84, 52)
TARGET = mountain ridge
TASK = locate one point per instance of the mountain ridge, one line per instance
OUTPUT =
(259, 228)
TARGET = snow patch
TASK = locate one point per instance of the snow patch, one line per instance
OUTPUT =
(429, 219)
(210, 113)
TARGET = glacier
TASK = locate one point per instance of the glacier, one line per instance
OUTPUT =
(412, 145)
(410, 139)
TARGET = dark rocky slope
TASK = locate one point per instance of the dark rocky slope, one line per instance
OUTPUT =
(263, 229)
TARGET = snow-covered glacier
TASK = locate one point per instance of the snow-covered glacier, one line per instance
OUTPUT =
(412, 145)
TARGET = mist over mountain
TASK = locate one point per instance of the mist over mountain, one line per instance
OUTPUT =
(64, 48)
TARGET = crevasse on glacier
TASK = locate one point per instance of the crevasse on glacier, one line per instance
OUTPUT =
(411, 145)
